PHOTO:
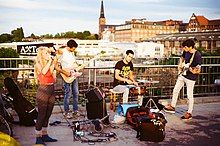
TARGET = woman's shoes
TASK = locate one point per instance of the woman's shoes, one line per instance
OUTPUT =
(47, 138)
(39, 140)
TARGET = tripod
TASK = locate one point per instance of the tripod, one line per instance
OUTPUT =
(150, 103)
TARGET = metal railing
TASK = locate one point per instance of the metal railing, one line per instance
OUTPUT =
(162, 70)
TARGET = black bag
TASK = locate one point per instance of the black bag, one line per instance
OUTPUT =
(133, 113)
(95, 94)
(25, 110)
(153, 130)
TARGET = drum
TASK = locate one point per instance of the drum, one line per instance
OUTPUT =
(140, 90)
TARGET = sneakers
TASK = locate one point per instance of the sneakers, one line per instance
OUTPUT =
(47, 138)
(68, 115)
(76, 114)
(169, 109)
(186, 116)
(40, 141)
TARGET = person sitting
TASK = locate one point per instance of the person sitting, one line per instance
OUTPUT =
(123, 75)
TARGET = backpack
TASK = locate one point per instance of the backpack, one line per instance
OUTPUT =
(150, 126)
(150, 130)
(136, 112)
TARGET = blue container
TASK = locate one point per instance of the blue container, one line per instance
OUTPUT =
(122, 108)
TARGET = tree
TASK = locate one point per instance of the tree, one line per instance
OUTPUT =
(47, 36)
(70, 34)
(7, 53)
(96, 36)
(5, 38)
(86, 33)
(80, 35)
(17, 34)
(57, 35)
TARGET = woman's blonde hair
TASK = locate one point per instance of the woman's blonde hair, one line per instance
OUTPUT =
(40, 60)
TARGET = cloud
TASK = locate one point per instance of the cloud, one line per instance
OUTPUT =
(54, 16)
(43, 5)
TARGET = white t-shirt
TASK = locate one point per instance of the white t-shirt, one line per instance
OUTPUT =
(68, 59)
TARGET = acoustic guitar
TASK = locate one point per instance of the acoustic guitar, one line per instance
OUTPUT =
(75, 72)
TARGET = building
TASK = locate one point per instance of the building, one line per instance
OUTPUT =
(102, 20)
(138, 30)
(135, 30)
(106, 31)
(201, 23)
(208, 40)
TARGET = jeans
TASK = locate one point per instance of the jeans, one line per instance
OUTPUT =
(71, 89)
(125, 90)
(189, 86)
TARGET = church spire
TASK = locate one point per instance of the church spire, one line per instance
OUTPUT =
(102, 10)
(102, 20)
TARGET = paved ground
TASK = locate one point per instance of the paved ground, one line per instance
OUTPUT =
(203, 129)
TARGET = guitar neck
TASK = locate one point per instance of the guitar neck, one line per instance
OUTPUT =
(86, 64)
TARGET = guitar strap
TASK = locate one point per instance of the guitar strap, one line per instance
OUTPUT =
(191, 59)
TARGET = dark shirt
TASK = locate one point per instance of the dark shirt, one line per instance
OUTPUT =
(125, 70)
(197, 60)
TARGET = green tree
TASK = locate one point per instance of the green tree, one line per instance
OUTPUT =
(91, 37)
(96, 36)
(80, 35)
(86, 33)
(70, 34)
(58, 35)
(7, 53)
(17, 34)
(47, 36)
(5, 38)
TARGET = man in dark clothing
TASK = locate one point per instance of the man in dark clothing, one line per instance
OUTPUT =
(123, 75)
(189, 68)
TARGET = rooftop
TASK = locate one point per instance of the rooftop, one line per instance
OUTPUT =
(203, 129)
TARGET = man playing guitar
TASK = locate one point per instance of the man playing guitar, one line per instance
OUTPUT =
(193, 59)
(69, 71)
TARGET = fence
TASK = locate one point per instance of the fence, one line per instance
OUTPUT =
(162, 70)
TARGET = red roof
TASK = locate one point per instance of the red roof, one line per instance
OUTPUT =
(202, 20)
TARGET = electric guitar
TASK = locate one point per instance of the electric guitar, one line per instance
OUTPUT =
(75, 71)
(184, 68)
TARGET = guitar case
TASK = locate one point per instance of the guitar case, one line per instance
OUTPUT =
(27, 113)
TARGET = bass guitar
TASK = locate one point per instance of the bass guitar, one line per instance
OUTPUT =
(74, 73)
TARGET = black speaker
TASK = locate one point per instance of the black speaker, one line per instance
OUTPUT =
(95, 94)
(96, 110)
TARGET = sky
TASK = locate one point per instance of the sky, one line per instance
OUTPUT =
(55, 16)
